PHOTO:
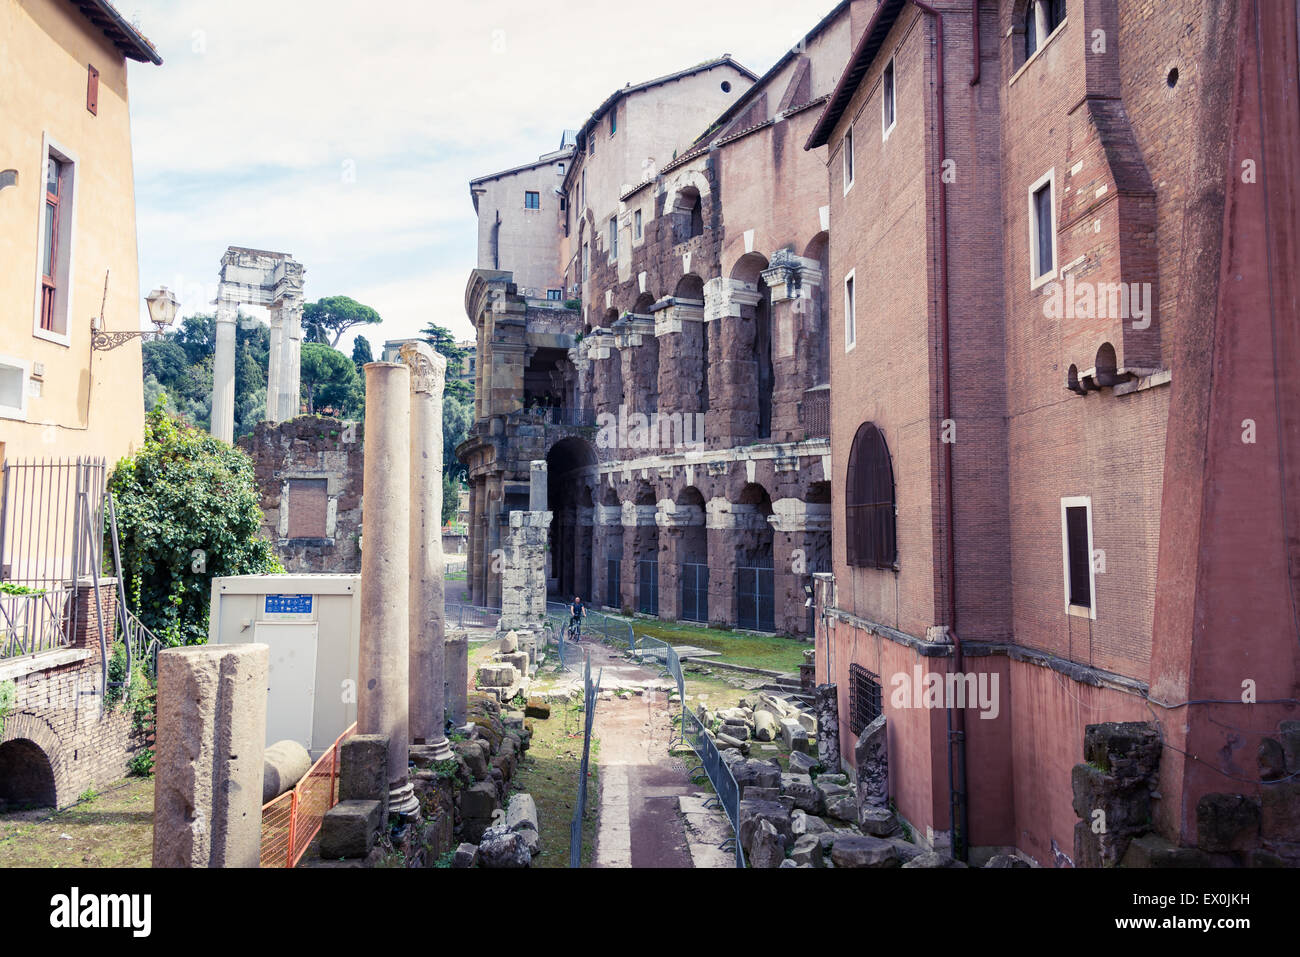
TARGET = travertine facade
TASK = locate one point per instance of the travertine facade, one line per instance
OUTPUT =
(682, 407)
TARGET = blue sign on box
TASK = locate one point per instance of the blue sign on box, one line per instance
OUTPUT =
(288, 604)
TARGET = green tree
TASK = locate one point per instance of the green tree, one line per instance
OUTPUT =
(329, 379)
(361, 354)
(325, 320)
(187, 511)
(444, 342)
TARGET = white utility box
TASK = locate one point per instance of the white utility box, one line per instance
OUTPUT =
(312, 624)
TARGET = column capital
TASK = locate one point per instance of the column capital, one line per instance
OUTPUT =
(727, 297)
(428, 367)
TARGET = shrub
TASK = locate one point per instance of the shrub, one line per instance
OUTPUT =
(187, 510)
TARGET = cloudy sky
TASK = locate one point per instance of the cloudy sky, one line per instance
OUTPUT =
(345, 133)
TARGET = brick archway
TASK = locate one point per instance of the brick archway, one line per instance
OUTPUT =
(31, 762)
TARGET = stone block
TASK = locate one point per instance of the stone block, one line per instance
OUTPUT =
(363, 769)
(807, 850)
(843, 808)
(850, 850)
(503, 848)
(1129, 750)
(350, 828)
(522, 812)
(801, 763)
(877, 821)
(536, 708)
(466, 855)
(765, 726)
(498, 675)
(1280, 819)
(871, 754)
(751, 812)
(799, 787)
(1226, 822)
(767, 847)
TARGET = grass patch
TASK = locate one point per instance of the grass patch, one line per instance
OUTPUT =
(114, 828)
(770, 652)
(549, 772)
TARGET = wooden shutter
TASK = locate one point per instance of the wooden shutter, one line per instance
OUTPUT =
(92, 90)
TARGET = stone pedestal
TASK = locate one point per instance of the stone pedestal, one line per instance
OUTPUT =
(211, 736)
(537, 487)
(826, 707)
(428, 370)
(383, 690)
(456, 666)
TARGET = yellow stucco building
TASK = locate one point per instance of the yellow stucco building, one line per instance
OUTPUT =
(67, 231)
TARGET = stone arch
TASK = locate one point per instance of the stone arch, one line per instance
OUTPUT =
(818, 250)
(32, 763)
(695, 340)
(686, 214)
(1107, 364)
(644, 303)
(749, 270)
(570, 466)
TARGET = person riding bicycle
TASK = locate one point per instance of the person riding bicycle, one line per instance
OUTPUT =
(577, 611)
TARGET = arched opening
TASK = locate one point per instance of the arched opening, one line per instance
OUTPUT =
(749, 269)
(692, 555)
(610, 564)
(870, 536)
(1041, 18)
(818, 333)
(646, 552)
(644, 303)
(695, 340)
(687, 215)
(570, 474)
(1107, 365)
(26, 776)
(755, 577)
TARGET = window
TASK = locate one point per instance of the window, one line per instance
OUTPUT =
(613, 120)
(1042, 17)
(1076, 543)
(637, 223)
(1042, 231)
(553, 294)
(532, 200)
(870, 533)
(864, 697)
(888, 111)
(308, 506)
(586, 261)
(584, 187)
(13, 388)
(613, 237)
(56, 246)
(850, 313)
(564, 204)
(848, 159)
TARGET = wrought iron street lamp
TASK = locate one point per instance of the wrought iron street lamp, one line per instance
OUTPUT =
(162, 312)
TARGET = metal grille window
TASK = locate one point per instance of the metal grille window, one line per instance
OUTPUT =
(648, 587)
(695, 592)
(756, 598)
(870, 532)
(532, 200)
(864, 697)
(613, 583)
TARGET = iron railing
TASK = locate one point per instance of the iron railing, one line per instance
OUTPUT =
(816, 412)
(462, 615)
(719, 774)
(51, 535)
(589, 694)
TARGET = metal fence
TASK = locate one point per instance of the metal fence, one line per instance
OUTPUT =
(695, 591)
(461, 615)
(719, 774)
(291, 821)
(596, 624)
(51, 535)
(589, 694)
(756, 596)
(647, 587)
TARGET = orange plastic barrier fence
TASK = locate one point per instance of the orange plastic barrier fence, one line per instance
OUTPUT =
(291, 821)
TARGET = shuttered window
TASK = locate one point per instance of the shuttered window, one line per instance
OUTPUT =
(870, 534)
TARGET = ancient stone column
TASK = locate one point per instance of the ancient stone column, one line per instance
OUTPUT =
(456, 649)
(290, 362)
(275, 351)
(382, 693)
(523, 573)
(210, 739)
(826, 707)
(428, 371)
(537, 478)
(222, 421)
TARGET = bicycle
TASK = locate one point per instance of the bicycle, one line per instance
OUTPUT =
(573, 632)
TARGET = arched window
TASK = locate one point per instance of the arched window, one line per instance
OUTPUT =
(870, 533)
(1041, 18)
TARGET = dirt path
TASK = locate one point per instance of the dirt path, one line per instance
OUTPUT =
(640, 783)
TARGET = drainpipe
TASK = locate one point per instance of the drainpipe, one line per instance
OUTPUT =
(957, 806)
(975, 42)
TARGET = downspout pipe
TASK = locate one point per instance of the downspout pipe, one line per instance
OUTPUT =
(958, 816)
(975, 42)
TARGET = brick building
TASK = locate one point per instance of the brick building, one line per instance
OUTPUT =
(1058, 284)
(682, 407)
